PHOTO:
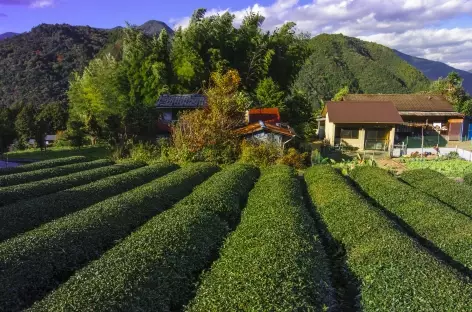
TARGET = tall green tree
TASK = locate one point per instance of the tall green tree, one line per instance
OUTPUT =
(268, 94)
(451, 87)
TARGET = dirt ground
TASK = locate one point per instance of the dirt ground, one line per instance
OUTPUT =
(392, 164)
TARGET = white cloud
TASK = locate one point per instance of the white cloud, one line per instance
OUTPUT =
(42, 4)
(411, 26)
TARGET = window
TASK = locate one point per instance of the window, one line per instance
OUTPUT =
(349, 133)
(167, 116)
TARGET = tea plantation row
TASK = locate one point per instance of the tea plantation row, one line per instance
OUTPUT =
(96, 236)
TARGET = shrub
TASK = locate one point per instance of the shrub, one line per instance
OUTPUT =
(148, 152)
(273, 261)
(447, 229)
(43, 165)
(294, 159)
(11, 194)
(392, 269)
(42, 174)
(174, 247)
(468, 179)
(37, 261)
(28, 214)
(437, 185)
(260, 154)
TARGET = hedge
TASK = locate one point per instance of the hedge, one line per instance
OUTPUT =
(14, 193)
(37, 261)
(42, 174)
(274, 260)
(43, 165)
(174, 247)
(395, 273)
(434, 221)
(438, 185)
(28, 214)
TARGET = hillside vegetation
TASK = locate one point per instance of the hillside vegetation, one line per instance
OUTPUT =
(337, 61)
(35, 66)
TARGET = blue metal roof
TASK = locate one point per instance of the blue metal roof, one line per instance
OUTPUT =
(181, 101)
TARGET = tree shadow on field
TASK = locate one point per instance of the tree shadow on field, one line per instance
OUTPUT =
(346, 284)
(421, 241)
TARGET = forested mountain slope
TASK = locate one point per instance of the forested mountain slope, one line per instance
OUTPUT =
(434, 70)
(7, 35)
(338, 61)
(35, 66)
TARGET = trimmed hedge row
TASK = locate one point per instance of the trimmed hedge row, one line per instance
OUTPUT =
(28, 214)
(447, 229)
(174, 247)
(438, 185)
(42, 174)
(14, 193)
(395, 273)
(37, 261)
(468, 179)
(274, 260)
(43, 165)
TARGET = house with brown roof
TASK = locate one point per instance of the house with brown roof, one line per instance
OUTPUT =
(360, 125)
(430, 115)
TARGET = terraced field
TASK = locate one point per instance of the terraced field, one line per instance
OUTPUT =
(81, 235)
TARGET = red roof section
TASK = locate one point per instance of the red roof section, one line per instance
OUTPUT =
(271, 115)
(256, 127)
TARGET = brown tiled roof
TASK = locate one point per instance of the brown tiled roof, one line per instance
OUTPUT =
(256, 127)
(362, 112)
(407, 102)
(181, 101)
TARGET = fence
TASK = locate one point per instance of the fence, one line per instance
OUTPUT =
(399, 151)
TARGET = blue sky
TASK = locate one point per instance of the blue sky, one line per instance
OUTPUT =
(435, 29)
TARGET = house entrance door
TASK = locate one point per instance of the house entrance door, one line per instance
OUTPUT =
(377, 139)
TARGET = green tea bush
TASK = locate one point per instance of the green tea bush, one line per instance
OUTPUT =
(28, 214)
(42, 174)
(174, 247)
(37, 261)
(394, 272)
(468, 179)
(14, 193)
(447, 229)
(43, 165)
(437, 185)
(274, 260)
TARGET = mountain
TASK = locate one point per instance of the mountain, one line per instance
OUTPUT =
(152, 28)
(35, 66)
(338, 61)
(434, 70)
(7, 35)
